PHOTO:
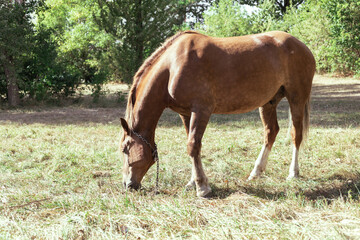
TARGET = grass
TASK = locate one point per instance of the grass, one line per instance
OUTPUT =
(60, 176)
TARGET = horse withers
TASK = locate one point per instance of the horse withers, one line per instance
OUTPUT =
(196, 75)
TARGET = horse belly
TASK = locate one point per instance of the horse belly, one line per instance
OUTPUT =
(244, 99)
(244, 90)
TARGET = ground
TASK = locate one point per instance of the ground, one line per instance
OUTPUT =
(60, 174)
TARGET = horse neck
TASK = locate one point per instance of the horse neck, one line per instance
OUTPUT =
(149, 105)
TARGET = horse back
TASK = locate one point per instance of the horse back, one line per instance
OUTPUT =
(236, 74)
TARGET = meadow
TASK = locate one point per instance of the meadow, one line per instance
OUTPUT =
(60, 174)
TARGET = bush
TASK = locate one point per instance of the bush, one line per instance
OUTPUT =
(44, 75)
(41, 70)
(310, 24)
(331, 29)
(225, 19)
(344, 30)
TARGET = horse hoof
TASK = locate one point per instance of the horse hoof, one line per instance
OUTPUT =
(203, 192)
(190, 185)
(292, 177)
(252, 177)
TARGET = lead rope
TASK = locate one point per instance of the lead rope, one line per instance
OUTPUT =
(155, 157)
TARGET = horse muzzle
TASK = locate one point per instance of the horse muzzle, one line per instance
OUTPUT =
(132, 185)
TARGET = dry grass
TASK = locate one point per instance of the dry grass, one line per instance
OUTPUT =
(60, 175)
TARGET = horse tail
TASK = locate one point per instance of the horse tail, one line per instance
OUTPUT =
(306, 121)
(288, 137)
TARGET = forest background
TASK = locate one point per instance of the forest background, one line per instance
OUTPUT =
(50, 48)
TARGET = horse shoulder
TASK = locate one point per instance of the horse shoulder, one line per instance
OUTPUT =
(188, 81)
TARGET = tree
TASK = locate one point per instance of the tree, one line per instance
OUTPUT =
(225, 19)
(281, 5)
(81, 45)
(192, 12)
(344, 31)
(284, 5)
(331, 29)
(14, 42)
(310, 24)
(138, 28)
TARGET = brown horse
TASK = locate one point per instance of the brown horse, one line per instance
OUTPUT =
(196, 75)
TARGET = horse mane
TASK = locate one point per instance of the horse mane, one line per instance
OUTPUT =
(143, 68)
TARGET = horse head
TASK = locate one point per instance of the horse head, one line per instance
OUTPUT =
(138, 155)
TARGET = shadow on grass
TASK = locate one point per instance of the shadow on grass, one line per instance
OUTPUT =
(335, 105)
(63, 116)
(220, 193)
(343, 186)
(343, 190)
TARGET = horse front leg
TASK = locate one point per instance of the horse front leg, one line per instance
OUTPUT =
(197, 126)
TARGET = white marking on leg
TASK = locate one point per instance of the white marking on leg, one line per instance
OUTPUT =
(198, 178)
(294, 166)
(260, 163)
(201, 181)
(191, 183)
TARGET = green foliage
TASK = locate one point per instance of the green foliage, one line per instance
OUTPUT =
(344, 33)
(331, 29)
(138, 28)
(15, 39)
(16, 28)
(229, 18)
(310, 24)
(55, 51)
(265, 18)
(80, 43)
(44, 74)
(52, 47)
(280, 6)
(57, 45)
(226, 18)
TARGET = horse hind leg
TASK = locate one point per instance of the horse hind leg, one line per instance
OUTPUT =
(186, 121)
(271, 128)
(300, 125)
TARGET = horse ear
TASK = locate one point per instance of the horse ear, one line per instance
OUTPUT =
(125, 126)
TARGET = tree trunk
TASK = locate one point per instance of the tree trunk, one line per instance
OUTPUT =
(139, 43)
(283, 5)
(10, 74)
(11, 79)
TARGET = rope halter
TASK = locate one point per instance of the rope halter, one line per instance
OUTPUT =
(154, 154)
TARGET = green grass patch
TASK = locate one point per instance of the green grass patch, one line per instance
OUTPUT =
(63, 180)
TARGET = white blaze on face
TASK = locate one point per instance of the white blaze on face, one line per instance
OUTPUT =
(126, 168)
